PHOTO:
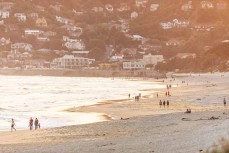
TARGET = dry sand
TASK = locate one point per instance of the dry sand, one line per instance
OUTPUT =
(144, 128)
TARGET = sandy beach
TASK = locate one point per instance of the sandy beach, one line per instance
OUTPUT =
(140, 126)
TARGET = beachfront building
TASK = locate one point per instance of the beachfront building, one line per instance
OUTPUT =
(71, 62)
(152, 59)
(131, 65)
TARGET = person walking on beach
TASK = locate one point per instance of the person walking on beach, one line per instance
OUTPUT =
(129, 95)
(167, 103)
(224, 102)
(36, 124)
(13, 125)
(157, 94)
(31, 123)
(164, 103)
(160, 103)
(166, 93)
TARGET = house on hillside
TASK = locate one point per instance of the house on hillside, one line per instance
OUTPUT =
(72, 28)
(34, 32)
(134, 15)
(49, 34)
(21, 17)
(185, 55)
(154, 7)
(203, 27)
(207, 4)
(43, 39)
(124, 26)
(141, 3)
(4, 14)
(109, 8)
(97, 9)
(64, 20)
(21, 47)
(167, 25)
(57, 7)
(173, 43)
(175, 24)
(116, 57)
(188, 6)
(4, 41)
(137, 37)
(221, 5)
(123, 7)
(33, 15)
(41, 22)
(75, 45)
(181, 23)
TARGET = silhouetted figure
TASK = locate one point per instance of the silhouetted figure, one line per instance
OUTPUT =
(224, 102)
(164, 103)
(13, 125)
(160, 103)
(167, 103)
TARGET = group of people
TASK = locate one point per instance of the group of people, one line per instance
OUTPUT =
(32, 123)
(164, 103)
(136, 98)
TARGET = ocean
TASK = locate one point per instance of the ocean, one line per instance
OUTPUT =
(46, 98)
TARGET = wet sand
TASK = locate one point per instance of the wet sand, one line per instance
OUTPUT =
(140, 127)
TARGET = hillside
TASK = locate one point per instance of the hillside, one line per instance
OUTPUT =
(164, 28)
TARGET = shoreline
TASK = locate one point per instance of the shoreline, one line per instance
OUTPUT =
(140, 126)
(139, 134)
(81, 73)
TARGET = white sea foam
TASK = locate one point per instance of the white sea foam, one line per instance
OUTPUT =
(22, 97)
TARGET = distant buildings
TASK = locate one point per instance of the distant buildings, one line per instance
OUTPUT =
(71, 62)
(133, 65)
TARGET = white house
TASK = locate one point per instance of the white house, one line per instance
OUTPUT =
(141, 3)
(4, 14)
(152, 59)
(204, 27)
(186, 7)
(71, 62)
(117, 57)
(167, 25)
(137, 37)
(4, 41)
(134, 15)
(79, 45)
(33, 32)
(20, 16)
(175, 24)
(21, 46)
(180, 23)
(173, 42)
(154, 7)
(63, 20)
(133, 65)
(97, 9)
(207, 5)
(72, 28)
